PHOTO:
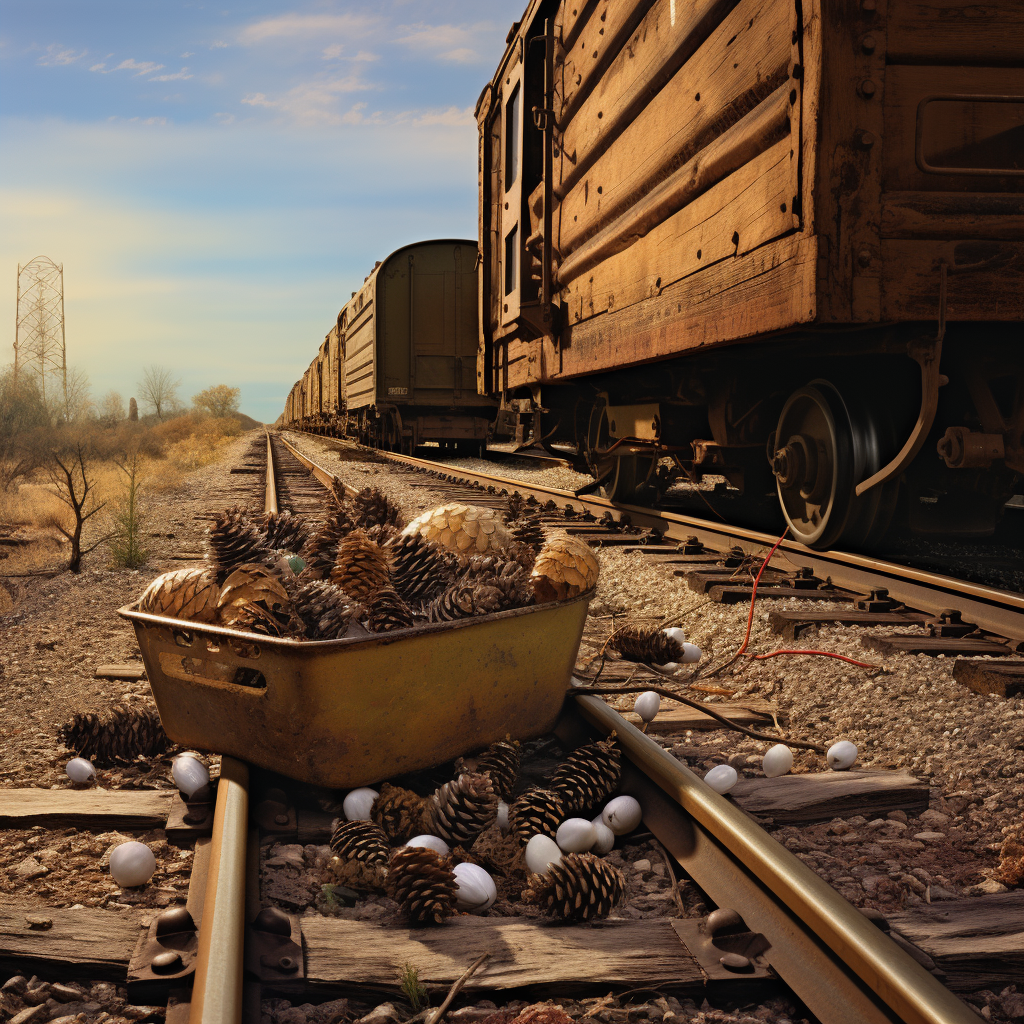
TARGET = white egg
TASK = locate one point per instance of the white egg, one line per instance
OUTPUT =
(189, 774)
(434, 843)
(475, 889)
(647, 705)
(691, 654)
(540, 852)
(777, 760)
(502, 818)
(722, 778)
(132, 864)
(675, 633)
(80, 770)
(841, 755)
(622, 815)
(575, 835)
(605, 838)
(358, 803)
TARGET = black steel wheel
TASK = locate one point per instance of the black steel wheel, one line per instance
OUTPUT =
(824, 446)
(625, 476)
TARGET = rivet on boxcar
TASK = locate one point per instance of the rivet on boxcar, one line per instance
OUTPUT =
(867, 88)
(698, 254)
(792, 95)
(867, 44)
(697, 97)
(782, 207)
(735, 238)
(865, 140)
(868, 5)
(864, 258)
(600, 114)
(600, 190)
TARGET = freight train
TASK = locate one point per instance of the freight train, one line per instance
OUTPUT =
(775, 241)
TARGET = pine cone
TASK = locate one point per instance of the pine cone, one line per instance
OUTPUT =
(284, 531)
(362, 567)
(253, 599)
(387, 611)
(528, 528)
(465, 529)
(382, 534)
(401, 813)
(361, 855)
(648, 644)
(501, 762)
(579, 888)
(183, 594)
(320, 552)
(324, 609)
(234, 540)
(506, 574)
(421, 568)
(463, 601)
(463, 808)
(535, 812)
(423, 883)
(564, 568)
(119, 736)
(587, 776)
(372, 507)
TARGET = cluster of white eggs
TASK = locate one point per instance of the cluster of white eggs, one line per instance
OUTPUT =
(620, 816)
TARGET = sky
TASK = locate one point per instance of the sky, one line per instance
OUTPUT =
(217, 180)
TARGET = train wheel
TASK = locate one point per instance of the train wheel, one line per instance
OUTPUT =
(628, 479)
(824, 446)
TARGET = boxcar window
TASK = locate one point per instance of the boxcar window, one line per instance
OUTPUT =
(511, 259)
(512, 139)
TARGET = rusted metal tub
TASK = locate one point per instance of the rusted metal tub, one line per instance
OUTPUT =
(343, 713)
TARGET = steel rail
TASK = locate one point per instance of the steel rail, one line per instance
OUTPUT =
(994, 610)
(270, 500)
(869, 979)
(837, 961)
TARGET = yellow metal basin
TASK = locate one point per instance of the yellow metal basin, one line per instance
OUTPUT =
(343, 713)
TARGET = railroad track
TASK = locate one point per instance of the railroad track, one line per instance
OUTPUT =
(787, 922)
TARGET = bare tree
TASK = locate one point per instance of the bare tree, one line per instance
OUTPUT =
(78, 401)
(69, 457)
(219, 400)
(111, 408)
(158, 388)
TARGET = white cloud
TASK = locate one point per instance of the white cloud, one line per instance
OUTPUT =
(311, 103)
(57, 56)
(333, 52)
(145, 67)
(293, 26)
(182, 74)
(457, 44)
(218, 44)
(185, 56)
(452, 117)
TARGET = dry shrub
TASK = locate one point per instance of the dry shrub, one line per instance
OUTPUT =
(1011, 859)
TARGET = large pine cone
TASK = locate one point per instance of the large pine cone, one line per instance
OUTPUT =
(501, 762)
(465, 529)
(587, 776)
(361, 568)
(506, 574)
(119, 736)
(284, 531)
(423, 883)
(234, 540)
(537, 812)
(464, 600)
(320, 552)
(372, 507)
(183, 594)
(648, 644)
(564, 568)
(253, 599)
(324, 609)
(463, 808)
(579, 888)
(361, 855)
(387, 611)
(421, 569)
(401, 813)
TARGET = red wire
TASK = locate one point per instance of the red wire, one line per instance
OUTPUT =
(753, 595)
(820, 654)
(775, 654)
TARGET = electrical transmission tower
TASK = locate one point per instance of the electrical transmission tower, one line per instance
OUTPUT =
(39, 351)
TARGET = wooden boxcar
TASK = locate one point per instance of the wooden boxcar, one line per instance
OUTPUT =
(744, 236)
(399, 366)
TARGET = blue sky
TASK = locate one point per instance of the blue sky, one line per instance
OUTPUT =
(216, 180)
